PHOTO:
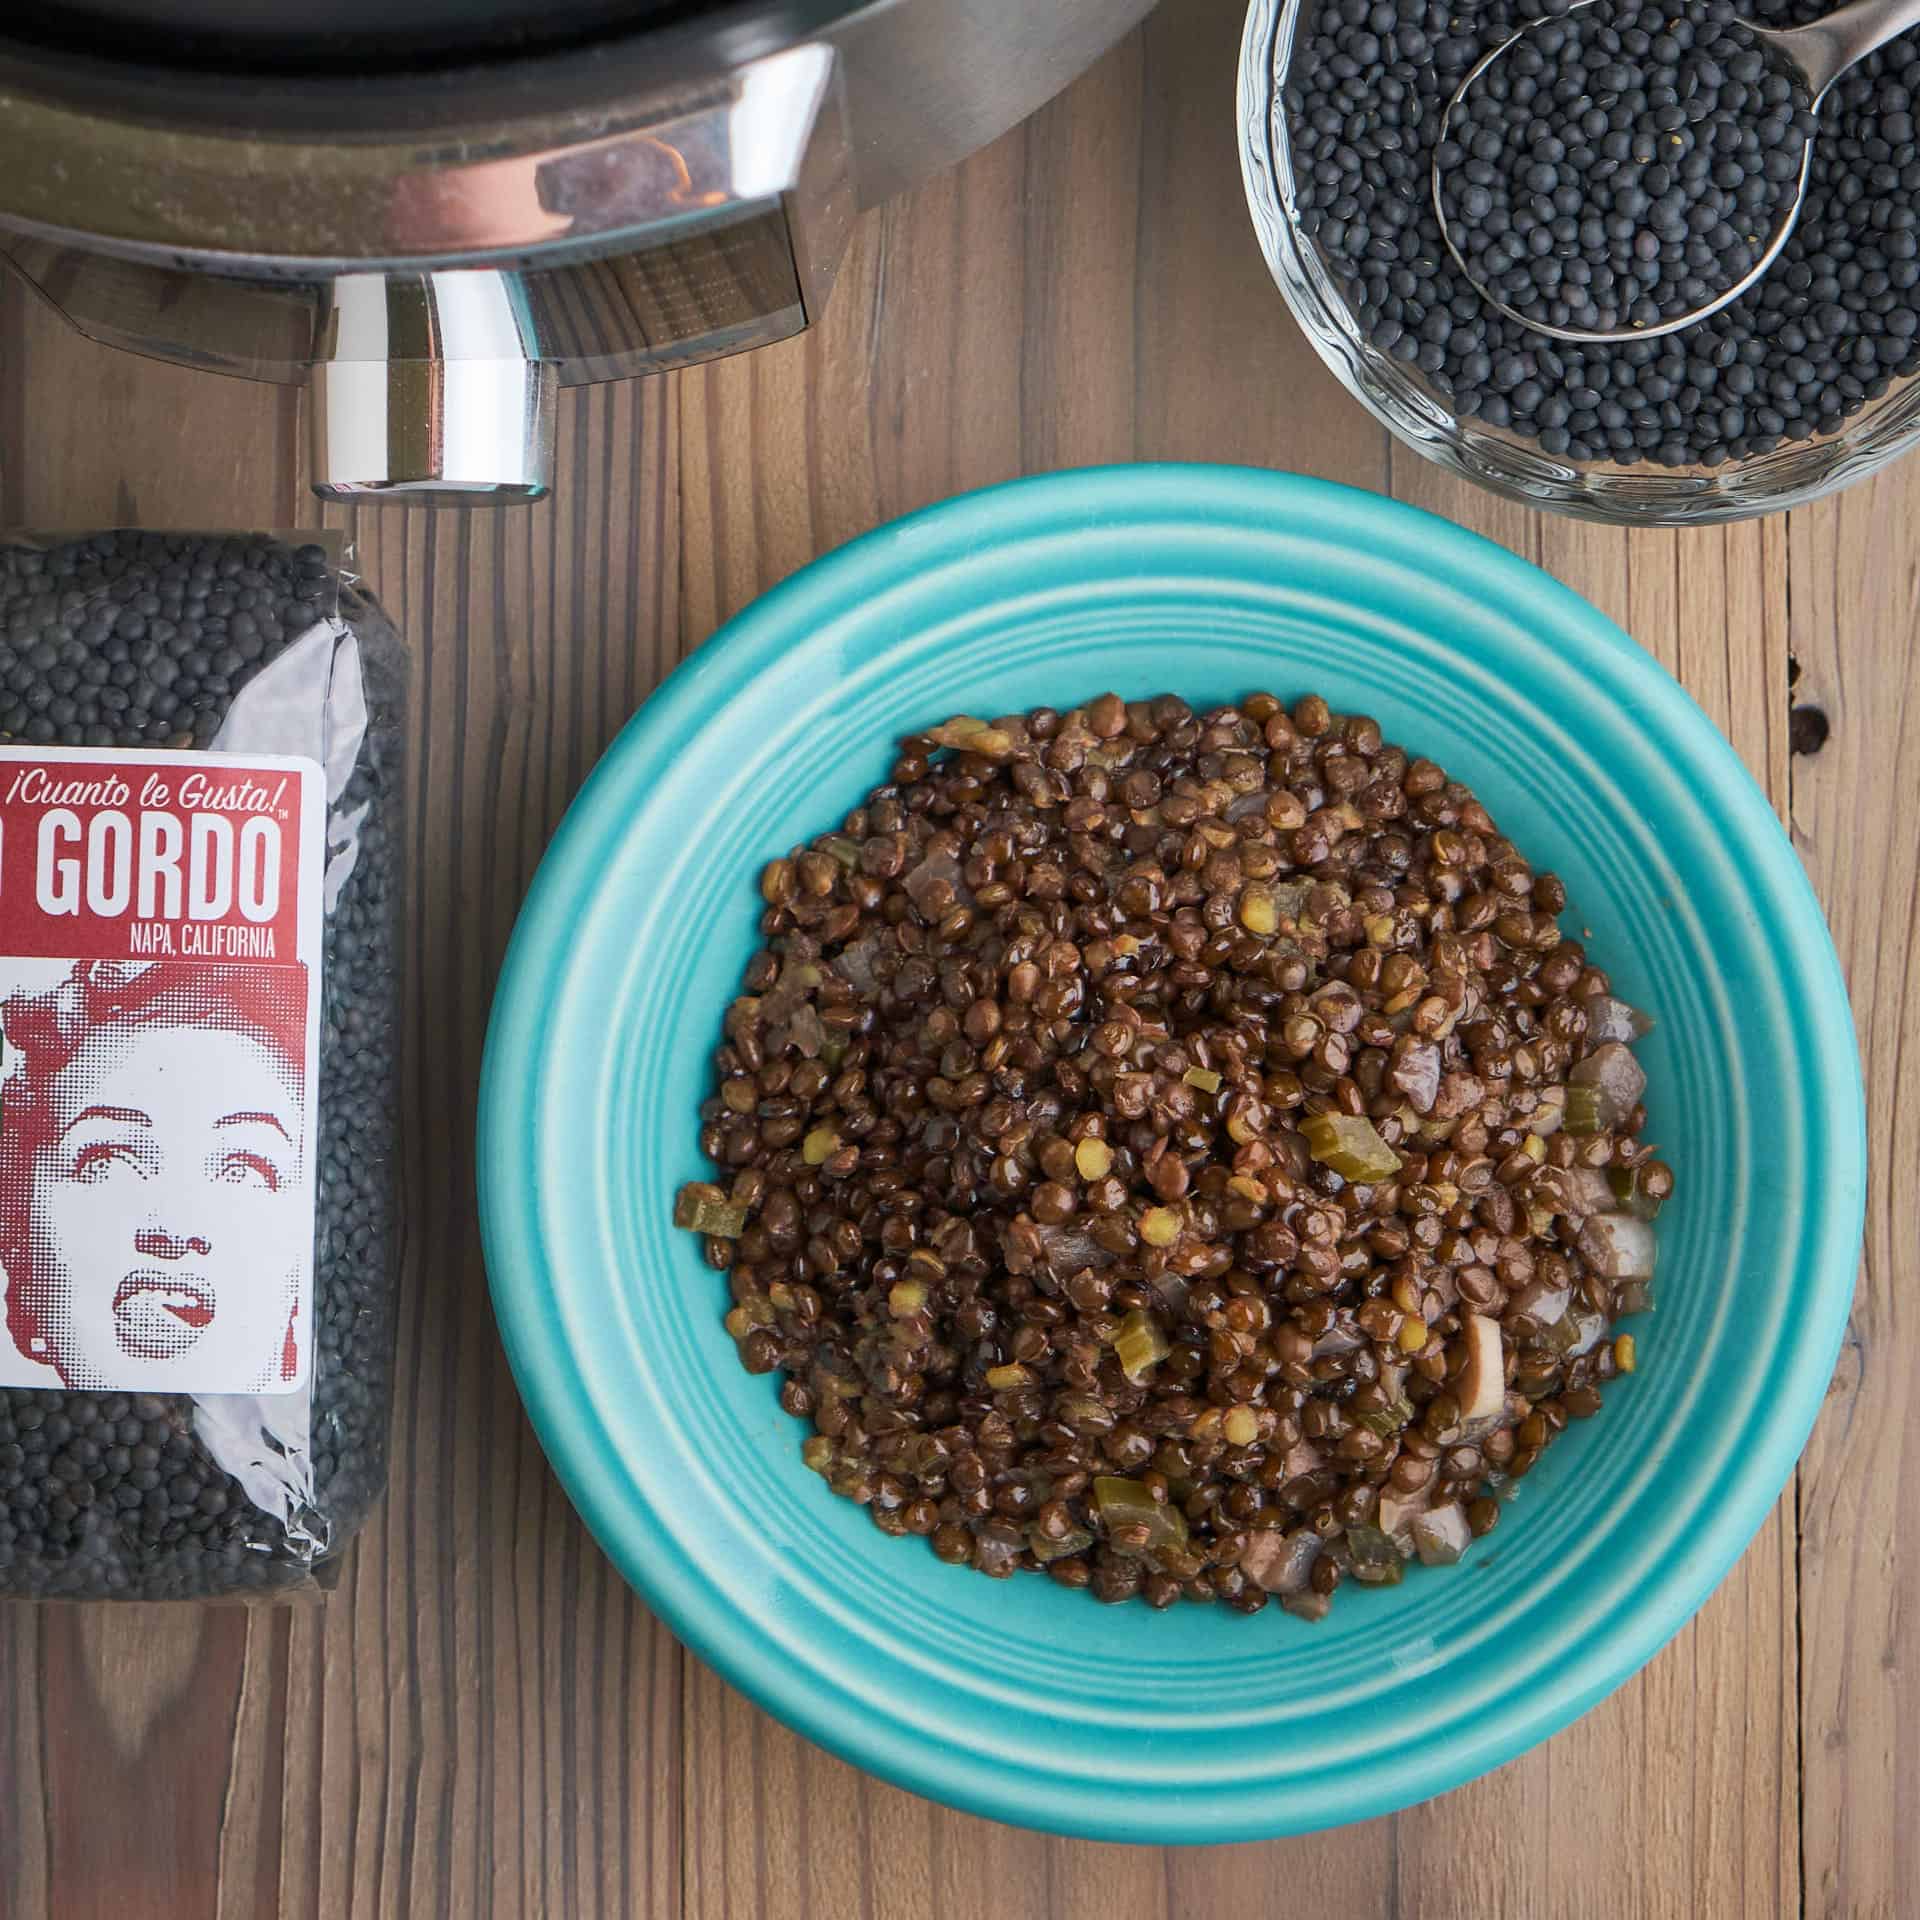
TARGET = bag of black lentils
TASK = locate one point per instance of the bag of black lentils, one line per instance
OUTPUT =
(200, 784)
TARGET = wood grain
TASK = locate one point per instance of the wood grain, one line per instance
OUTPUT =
(97, 1699)
(1856, 608)
(1696, 1758)
(482, 1720)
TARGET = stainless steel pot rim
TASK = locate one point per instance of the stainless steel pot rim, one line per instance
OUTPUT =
(227, 198)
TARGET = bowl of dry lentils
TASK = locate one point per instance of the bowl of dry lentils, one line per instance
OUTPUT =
(1172, 1152)
(1636, 148)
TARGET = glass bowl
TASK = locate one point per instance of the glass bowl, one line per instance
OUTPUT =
(1407, 403)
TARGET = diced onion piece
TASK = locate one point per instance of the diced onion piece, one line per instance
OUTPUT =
(1376, 1560)
(1589, 1329)
(1540, 1312)
(1070, 1248)
(1341, 1336)
(1585, 1190)
(854, 965)
(1618, 1247)
(1075, 1540)
(1398, 1511)
(1279, 1562)
(1441, 1535)
(1415, 1071)
(1611, 1019)
(936, 885)
(1630, 1195)
(1387, 1420)
(1259, 913)
(806, 1031)
(996, 1548)
(1616, 1079)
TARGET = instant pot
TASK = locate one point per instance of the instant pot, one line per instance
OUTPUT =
(438, 212)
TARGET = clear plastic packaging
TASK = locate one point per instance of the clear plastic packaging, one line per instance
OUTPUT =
(123, 656)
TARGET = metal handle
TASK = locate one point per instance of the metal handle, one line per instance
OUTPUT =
(431, 385)
(440, 385)
(1827, 48)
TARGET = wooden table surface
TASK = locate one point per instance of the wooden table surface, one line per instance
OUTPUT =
(482, 1720)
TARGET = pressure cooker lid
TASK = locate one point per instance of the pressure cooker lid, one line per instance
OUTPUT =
(329, 32)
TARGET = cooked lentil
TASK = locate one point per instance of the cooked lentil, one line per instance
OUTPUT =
(1321, 1289)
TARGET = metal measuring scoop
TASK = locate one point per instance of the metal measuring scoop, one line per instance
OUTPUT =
(1818, 54)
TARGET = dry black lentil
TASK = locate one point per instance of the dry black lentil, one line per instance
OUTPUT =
(1177, 1151)
(1830, 326)
(1594, 186)
(142, 639)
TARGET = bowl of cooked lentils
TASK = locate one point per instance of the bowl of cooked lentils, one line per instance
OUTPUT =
(1629, 156)
(1172, 1153)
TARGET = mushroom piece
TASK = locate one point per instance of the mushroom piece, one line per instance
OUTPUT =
(1482, 1387)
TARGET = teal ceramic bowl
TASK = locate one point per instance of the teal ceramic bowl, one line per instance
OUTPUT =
(1018, 1699)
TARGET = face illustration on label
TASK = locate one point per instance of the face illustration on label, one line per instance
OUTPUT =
(170, 1221)
(160, 923)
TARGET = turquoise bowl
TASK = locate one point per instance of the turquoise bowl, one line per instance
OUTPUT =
(1018, 1699)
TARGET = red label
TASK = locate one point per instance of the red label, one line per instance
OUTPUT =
(149, 857)
(160, 924)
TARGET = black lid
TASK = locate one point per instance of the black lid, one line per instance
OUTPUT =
(326, 33)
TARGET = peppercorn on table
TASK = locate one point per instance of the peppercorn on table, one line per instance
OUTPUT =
(482, 1720)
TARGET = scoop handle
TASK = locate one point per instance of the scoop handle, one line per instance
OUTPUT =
(1827, 48)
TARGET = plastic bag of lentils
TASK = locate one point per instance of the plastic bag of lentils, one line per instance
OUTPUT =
(199, 791)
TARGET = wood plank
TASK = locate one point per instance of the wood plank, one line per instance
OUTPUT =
(1694, 1762)
(1856, 607)
(1222, 372)
(986, 326)
(482, 1719)
(519, 1752)
(101, 1703)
